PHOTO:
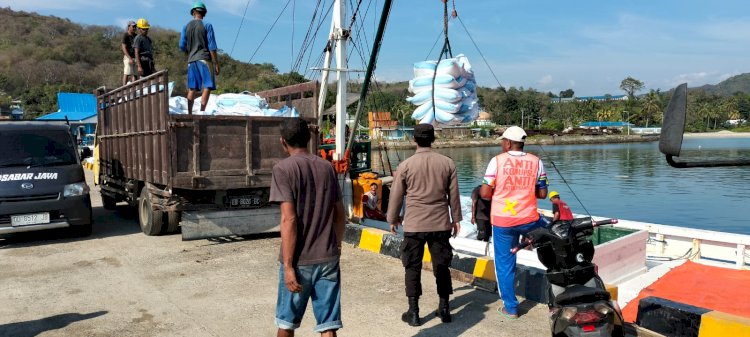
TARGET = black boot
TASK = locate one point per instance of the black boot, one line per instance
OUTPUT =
(444, 311)
(411, 316)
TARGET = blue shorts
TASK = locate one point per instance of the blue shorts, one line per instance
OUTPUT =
(322, 282)
(200, 75)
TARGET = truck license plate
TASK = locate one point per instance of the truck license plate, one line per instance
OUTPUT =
(244, 201)
(29, 219)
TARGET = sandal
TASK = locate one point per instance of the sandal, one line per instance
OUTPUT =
(506, 314)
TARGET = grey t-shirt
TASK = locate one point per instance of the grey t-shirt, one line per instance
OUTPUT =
(197, 41)
(310, 183)
(143, 43)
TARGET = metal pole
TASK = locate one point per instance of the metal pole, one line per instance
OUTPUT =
(342, 77)
(324, 77)
(371, 68)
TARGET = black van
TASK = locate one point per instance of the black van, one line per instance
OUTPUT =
(42, 184)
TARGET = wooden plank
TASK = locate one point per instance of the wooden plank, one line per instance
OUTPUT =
(197, 148)
(249, 148)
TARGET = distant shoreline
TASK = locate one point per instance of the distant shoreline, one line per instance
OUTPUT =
(720, 134)
(543, 140)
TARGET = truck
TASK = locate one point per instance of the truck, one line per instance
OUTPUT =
(209, 175)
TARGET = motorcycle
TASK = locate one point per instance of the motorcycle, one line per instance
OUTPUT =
(578, 300)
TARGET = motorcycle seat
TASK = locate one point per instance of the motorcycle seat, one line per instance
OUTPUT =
(581, 294)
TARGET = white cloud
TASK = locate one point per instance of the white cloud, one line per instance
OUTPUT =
(545, 81)
(236, 7)
(146, 4)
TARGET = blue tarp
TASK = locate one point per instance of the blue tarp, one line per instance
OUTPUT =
(606, 124)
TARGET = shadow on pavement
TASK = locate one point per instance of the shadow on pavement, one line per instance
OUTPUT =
(36, 327)
(122, 221)
(473, 307)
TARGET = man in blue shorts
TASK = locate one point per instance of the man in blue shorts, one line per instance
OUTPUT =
(198, 41)
(312, 227)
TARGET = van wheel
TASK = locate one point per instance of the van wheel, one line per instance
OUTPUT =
(108, 202)
(173, 221)
(151, 221)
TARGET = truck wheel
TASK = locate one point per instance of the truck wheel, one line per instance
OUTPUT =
(173, 221)
(151, 221)
(108, 202)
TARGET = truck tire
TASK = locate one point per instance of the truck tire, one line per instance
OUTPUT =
(151, 221)
(109, 203)
(173, 221)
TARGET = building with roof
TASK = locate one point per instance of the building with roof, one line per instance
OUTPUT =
(77, 109)
(485, 119)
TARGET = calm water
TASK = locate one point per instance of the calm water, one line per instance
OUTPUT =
(631, 181)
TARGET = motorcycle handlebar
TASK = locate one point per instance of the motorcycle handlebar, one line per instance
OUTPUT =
(592, 223)
(528, 241)
(604, 222)
(525, 243)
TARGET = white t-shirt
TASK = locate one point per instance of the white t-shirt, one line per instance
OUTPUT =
(491, 174)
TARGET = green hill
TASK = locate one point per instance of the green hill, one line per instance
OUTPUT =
(43, 55)
(730, 86)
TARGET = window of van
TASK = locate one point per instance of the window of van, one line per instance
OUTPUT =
(40, 148)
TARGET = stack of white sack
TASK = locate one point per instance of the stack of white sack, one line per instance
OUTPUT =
(455, 96)
(243, 104)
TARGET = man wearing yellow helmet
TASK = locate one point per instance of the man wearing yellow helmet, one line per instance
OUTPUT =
(144, 53)
(198, 41)
(560, 209)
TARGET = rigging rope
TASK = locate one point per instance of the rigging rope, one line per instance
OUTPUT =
(269, 31)
(546, 155)
(478, 50)
(306, 40)
(240, 28)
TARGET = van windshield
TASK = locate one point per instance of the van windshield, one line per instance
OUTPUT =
(36, 148)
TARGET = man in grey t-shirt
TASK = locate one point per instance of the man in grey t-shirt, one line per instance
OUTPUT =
(312, 227)
(198, 41)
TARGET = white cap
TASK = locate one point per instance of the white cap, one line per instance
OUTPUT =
(515, 134)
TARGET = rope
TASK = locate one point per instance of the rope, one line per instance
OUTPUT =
(445, 51)
(306, 40)
(433, 45)
(546, 155)
(480, 52)
(240, 28)
(269, 31)
(291, 65)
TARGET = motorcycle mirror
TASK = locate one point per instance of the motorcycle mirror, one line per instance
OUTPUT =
(673, 129)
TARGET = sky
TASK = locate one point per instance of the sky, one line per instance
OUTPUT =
(585, 45)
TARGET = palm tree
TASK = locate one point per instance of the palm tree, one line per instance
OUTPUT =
(651, 105)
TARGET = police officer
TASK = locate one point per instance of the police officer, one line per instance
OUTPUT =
(429, 182)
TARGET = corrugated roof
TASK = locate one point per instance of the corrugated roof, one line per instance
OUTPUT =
(75, 106)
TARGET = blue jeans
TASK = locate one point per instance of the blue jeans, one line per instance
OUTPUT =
(504, 238)
(320, 281)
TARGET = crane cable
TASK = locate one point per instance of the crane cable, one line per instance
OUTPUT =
(239, 28)
(445, 51)
(269, 31)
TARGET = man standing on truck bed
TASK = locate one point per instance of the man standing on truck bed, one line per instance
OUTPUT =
(312, 227)
(198, 41)
(128, 59)
(144, 52)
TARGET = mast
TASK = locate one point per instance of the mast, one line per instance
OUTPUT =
(341, 35)
(370, 68)
(324, 76)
